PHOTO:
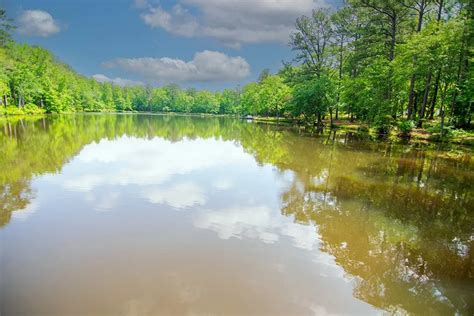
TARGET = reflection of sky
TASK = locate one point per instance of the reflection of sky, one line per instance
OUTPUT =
(258, 222)
(26, 212)
(178, 196)
(147, 162)
(227, 192)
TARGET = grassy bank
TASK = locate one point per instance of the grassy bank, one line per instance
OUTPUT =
(429, 133)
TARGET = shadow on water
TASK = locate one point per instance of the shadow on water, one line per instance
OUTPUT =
(398, 217)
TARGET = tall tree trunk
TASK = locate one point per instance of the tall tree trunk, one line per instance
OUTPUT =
(421, 13)
(393, 35)
(425, 100)
(341, 47)
(440, 10)
(442, 112)
(411, 96)
(438, 76)
(435, 95)
(427, 94)
(415, 104)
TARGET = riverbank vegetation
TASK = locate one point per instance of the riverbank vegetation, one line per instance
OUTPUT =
(393, 66)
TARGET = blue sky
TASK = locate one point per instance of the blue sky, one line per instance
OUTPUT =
(195, 43)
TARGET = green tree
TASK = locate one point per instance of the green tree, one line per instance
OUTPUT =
(5, 28)
(312, 98)
(311, 40)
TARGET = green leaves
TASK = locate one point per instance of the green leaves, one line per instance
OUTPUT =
(312, 39)
(312, 98)
(269, 97)
(5, 27)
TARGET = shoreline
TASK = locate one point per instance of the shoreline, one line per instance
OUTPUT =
(416, 136)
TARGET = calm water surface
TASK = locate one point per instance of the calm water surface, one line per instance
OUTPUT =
(146, 215)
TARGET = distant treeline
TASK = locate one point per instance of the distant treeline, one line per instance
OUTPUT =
(377, 61)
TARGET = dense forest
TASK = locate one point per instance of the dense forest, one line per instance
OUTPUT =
(383, 62)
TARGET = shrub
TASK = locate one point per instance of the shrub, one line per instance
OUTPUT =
(27, 109)
(449, 132)
(405, 127)
(13, 110)
(32, 109)
(435, 130)
(383, 124)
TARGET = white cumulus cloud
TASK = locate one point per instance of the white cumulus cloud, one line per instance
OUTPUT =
(148, 163)
(206, 66)
(179, 196)
(232, 22)
(256, 222)
(117, 81)
(37, 23)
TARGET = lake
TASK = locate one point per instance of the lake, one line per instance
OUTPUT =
(148, 214)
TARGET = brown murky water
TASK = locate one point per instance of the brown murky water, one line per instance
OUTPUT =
(146, 215)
